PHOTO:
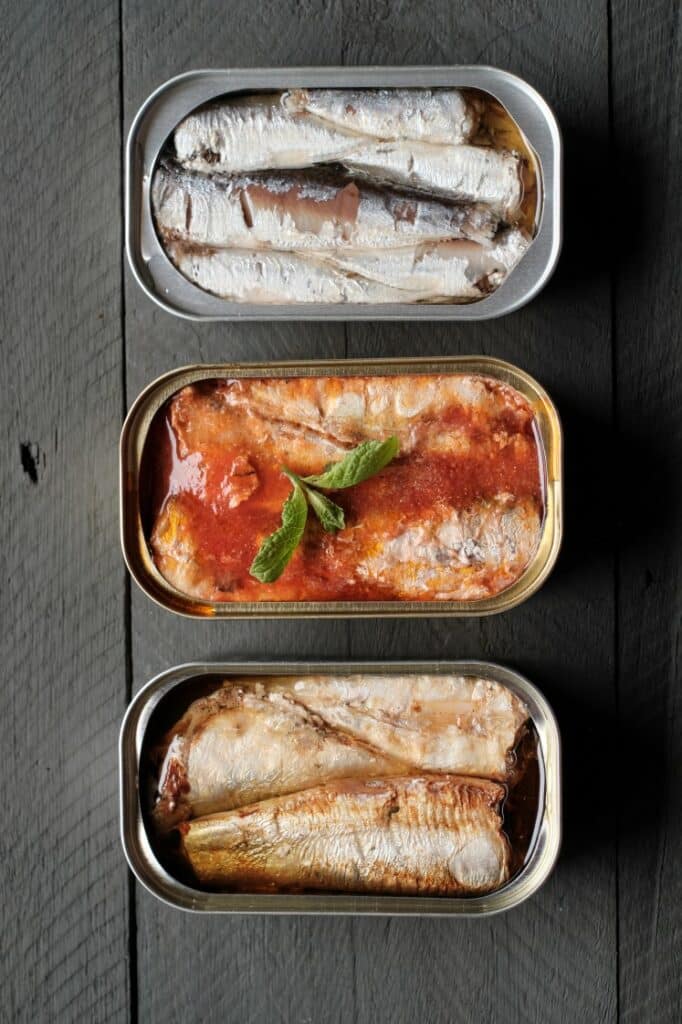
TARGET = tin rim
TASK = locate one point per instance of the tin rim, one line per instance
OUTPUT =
(134, 542)
(150, 873)
(522, 101)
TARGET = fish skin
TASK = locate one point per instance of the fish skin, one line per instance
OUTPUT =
(245, 275)
(303, 211)
(458, 724)
(260, 133)
(463, 173)
(276, 131)
(256, 133)
(424, 835)
(242, 744)
(436, 115)
(447, 270)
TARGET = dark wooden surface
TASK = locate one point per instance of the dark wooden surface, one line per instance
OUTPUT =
(78, 340)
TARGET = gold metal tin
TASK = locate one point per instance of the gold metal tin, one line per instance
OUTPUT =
(144, 572)
(139, 849)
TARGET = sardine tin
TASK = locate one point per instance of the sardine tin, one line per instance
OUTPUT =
(171, 102)
(139, 851)
(136, 549)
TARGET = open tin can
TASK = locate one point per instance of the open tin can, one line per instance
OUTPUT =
(173, 101)
(180, 685)
(135, 541)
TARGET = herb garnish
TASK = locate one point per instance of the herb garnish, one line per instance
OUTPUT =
(360, 464)
(277, 549)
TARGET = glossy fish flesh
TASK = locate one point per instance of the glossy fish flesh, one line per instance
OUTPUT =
(451, 558)
(455, 270)
(255, 133)
(314, 420)
(428, 835)
(464, 173)
(246, 275)
(271, 173)
(435, 115)
(243, 744)
(303, 211)
(458, 724)
(250, 741)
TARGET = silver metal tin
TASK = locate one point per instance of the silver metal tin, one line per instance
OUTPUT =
(139, 851)
(171, 102)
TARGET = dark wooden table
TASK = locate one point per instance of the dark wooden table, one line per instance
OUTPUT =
(78, 340)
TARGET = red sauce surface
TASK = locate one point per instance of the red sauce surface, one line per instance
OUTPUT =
(407, 490)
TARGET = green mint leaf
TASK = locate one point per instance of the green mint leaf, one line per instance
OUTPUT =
(363, 462)
(328, 512)
(276, 550)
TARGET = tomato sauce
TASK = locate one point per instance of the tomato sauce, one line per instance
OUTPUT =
(229, 498)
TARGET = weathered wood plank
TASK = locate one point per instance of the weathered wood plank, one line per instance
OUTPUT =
(63, 884)
(646, 159)
(559, 950)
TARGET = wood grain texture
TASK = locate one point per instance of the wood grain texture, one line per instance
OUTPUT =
(63, 885)
(647, 152)
(558, 951)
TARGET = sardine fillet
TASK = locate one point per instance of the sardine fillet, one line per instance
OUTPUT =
(448, 270)
(466, 173)
(255, 133)
(240, 745)
(451, 559)
(261, 133)
(432, 115)
(302, 211)
(277, 277)
(252, 740)
(462, 555)
(458, 724)
(317, 419)
(425, 835)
